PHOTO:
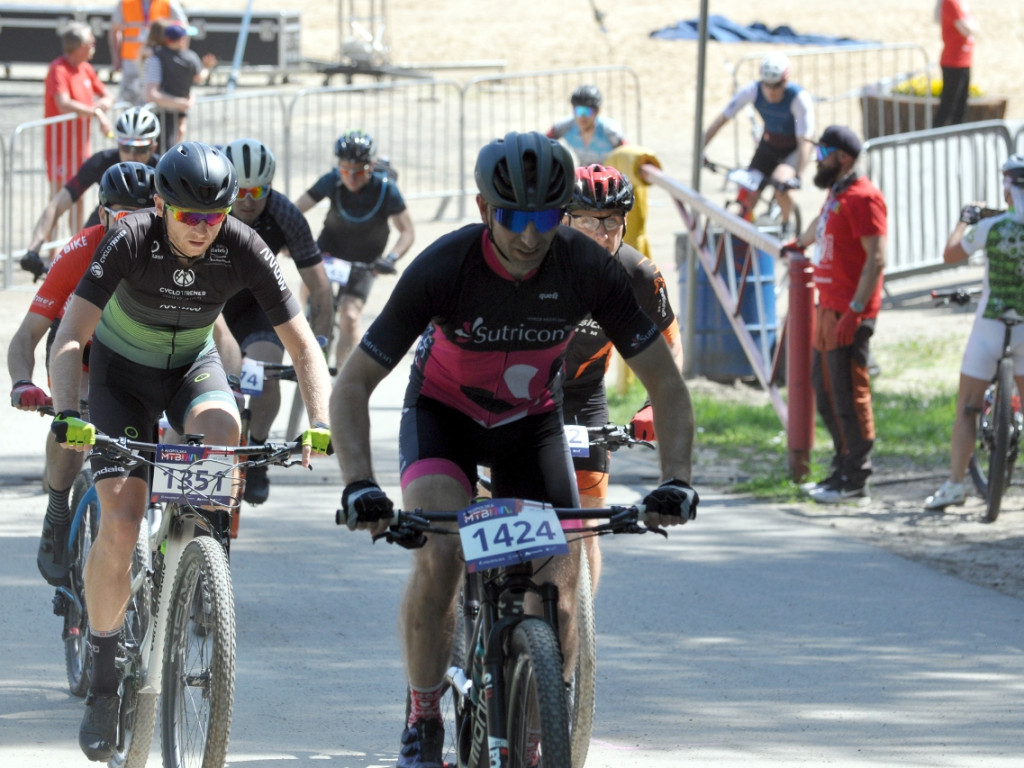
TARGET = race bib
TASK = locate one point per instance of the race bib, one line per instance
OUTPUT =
(252, 376)
(338, 270)
(498, 532)
(579, 440)
(196, 474)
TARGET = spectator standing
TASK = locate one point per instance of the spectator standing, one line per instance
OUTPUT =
(72, 87)
(170, 72)
(849, 260)
(958, 29)
(129, 23)
(1002, 239)
(788, 136)
(589, 136)
(364, 203)
(136, 131)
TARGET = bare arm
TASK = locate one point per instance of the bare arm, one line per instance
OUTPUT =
(406, 232)
(714, 128)
(305, 202)
(161, 99)
(75, 330)
(59, 205)
(321, 307)
(310, 370)
(874, 266)
(350, 414)
(21, 354)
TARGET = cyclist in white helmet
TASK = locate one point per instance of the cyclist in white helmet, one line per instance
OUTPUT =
(136, 130)
(788, 114)
(1002, 238)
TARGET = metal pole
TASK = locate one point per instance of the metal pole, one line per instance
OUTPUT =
(698, 152)
(243, 34)
(799, 358)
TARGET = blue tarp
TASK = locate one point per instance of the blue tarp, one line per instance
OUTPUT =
(723, 30)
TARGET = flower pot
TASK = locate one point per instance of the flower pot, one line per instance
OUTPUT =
(886, 115)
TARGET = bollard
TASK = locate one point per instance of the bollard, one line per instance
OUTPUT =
(799, 356)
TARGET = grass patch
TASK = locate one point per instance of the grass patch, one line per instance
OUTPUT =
(913, 435)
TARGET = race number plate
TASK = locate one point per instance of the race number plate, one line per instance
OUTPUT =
(193, 473)
(497, 532)
(252, 376)
(578, 439)
(338, 270)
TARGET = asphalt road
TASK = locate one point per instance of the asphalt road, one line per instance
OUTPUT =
(750, 637)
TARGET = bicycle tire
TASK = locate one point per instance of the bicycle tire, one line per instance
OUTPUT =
(138, 710)
(535, 697)
(77, 656)
(199, 659)
(999, 463)
(584, 677)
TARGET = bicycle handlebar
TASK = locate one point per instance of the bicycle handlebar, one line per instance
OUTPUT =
(961, 296)
(614, 436)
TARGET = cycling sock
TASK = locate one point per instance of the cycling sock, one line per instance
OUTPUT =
(104, 654)
(424, 703)
(57, 511)
(253, 440)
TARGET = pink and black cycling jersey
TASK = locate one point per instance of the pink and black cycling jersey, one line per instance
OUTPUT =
(493, 346)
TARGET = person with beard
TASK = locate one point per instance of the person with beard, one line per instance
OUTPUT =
(1002, 238)
(849, 259)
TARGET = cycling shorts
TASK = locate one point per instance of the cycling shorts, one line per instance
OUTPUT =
(528, 458)
(767, 158)
(985, 347)
(589, 411)
(248, 322)
(126, 399)
(360, 280)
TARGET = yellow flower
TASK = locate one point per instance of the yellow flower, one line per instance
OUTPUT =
(918, 86)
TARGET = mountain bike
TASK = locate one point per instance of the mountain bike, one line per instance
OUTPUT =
(1001, 421)
(178, 641)
(505, 701)
(749, 185)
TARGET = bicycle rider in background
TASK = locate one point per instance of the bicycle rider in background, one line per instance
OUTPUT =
(494, 306)
(364, 201)
(601, 201)
(283, 227)
(1002, 238)
(590, 137)
(787, 140)
(148, 301)
(124, 187)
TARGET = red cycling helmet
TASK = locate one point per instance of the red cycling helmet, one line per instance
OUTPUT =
(601, 188)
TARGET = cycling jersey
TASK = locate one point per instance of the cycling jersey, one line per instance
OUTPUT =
(159, 313)
(793, 116)
(493, 346)
(92, 170)
(607, 136)
(1002, 237)
(53, 296)
(356, 227)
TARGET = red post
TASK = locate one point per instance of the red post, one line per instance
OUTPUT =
(799, 335)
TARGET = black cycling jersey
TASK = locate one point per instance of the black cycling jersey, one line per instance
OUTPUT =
(92, 170)
(493, 346)
(160, 313)
(356, 227)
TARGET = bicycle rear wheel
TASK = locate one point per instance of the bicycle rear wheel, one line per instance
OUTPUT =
(999, 466)
(138, 710)
(584, 678)
(77, 657)
(199, 660)
(538, 723)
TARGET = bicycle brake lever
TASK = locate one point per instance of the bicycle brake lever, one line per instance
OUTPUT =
(409, 538)
(654, 529)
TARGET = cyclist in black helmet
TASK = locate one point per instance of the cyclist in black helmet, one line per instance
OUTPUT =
(136, 130)
(148, 301)
(590, 137)
(494, 306)
(125, 187)
(364, 204)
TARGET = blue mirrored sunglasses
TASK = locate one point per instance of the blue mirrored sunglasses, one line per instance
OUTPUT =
(583, 111)
(517, 221)
(821, 152)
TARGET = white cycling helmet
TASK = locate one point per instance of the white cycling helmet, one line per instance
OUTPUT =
(1013, 170)
(137, 127)
(774, 68)
(254, 162)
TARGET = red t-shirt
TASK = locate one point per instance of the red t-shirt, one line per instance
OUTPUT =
(67, 144)
(956, 47)
(857, 211)
(51, 300)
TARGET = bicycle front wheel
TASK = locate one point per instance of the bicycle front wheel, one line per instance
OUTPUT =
(199, 660)
(77, 657)
(584, 678)
(538, 723)
(999, 462)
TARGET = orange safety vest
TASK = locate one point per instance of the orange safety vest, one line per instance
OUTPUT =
(136, 24)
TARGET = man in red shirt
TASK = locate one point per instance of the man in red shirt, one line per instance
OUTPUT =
(849, 259)
(71, 87)
(958, 28)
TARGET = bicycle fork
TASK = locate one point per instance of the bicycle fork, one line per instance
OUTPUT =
(173, 549)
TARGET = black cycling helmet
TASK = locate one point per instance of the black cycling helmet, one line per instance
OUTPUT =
(601, 188)
(127, 184)
(197, 177)
(1013, 169)
(355, 147)
(526, 172)
(586, 96)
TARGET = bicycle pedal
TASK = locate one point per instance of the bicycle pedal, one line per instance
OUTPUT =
(61, 604)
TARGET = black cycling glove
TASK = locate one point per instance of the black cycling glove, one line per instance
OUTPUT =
(363, 502)
(675, 498)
